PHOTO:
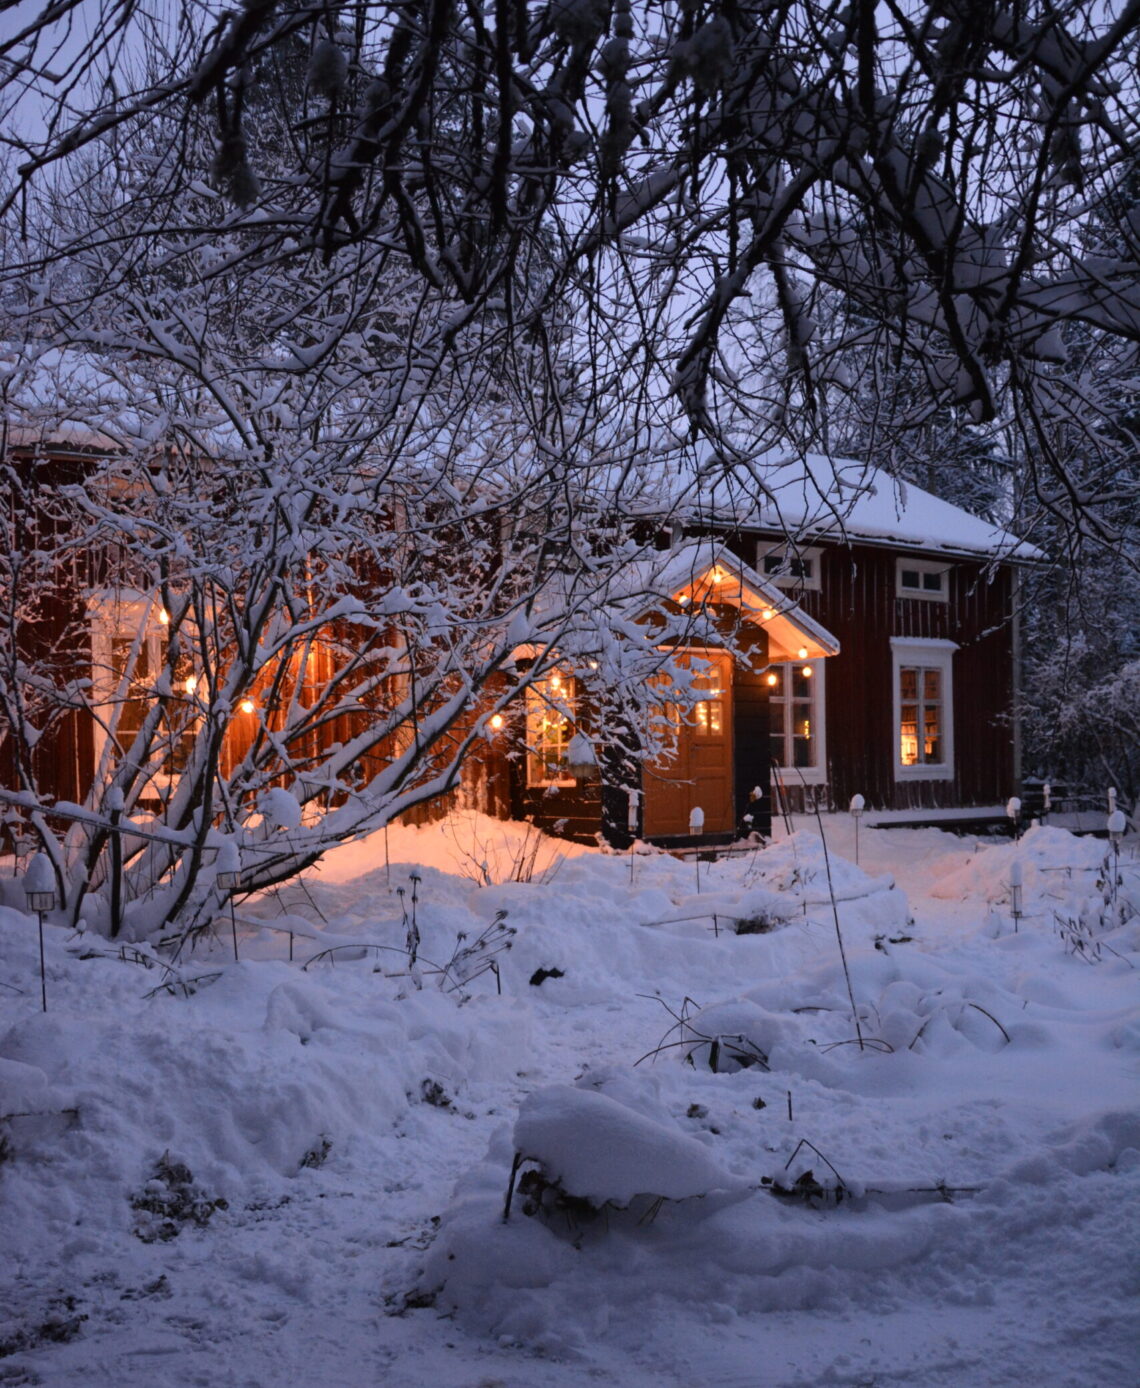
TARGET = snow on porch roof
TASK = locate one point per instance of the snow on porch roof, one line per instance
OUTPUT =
(707, 570)
(811, 497)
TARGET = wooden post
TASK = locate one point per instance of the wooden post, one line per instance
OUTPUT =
(115, 808)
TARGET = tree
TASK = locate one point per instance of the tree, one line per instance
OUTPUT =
(929, 163)
(291, 557)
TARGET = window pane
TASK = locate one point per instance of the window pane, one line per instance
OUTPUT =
(708, 717)
(908, 683)
(776, 719)
(911, 578)
(803, 745)
(801, 683)
(932, 685)
(932, 583)
(932, 736)
(908, 735)
(775, 678)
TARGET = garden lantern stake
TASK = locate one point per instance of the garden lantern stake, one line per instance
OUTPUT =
(39, 888)
(1015, 907)
(228, 879)
(856, 808)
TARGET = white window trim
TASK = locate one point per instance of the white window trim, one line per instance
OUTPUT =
(931, 653)
(810, 775)
(791, 551)
(923, 566)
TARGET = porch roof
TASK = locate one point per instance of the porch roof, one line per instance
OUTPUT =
(706, 570)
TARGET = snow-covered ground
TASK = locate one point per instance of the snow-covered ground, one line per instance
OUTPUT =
(255, 1173)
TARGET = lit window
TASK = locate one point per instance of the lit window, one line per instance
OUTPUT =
(920, 578)
(795, 720)
(708, 712)
(923, 709)
(549, 728)
(920, 716)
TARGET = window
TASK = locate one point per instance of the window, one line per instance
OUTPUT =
(923, 709)
(790, 566)
(795, 720)
(707, 713)
(132, 674)
(922, 578)
(549, 729)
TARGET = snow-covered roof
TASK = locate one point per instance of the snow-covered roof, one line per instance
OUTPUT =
(814, 497)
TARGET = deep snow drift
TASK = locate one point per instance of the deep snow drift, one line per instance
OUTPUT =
(286, 1170)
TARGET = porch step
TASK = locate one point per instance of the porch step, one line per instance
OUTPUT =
(966, 819)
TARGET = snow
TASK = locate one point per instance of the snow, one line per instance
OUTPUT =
(815, 497)
(276, 1170)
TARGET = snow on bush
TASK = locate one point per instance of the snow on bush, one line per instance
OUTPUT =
(597, 1149)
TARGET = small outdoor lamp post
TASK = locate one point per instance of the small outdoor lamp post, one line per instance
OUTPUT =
(696, 827)
(855, 809)
(227, 878)
(1013, 810)
(1117, 823)
(1015, 897)
(39, 888)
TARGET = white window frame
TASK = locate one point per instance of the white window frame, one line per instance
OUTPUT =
(812, 554)
(807, 775)
(922, 567)
(926, 653)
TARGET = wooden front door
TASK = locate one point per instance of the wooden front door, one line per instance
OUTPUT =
(701, 772)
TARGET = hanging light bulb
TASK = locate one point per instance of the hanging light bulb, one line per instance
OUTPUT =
(767, 614)
(773, 679)
(247, 706)
(496, 721)
(802, 653)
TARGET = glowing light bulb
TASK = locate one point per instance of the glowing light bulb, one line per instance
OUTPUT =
(773, 679)
(247, 706)
(191, 683)
(164, 616)
(802, 653)
(806, 672)
(767, 614)
(496, 721)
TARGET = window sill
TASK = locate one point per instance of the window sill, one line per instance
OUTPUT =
(792, 776)
(928, 772)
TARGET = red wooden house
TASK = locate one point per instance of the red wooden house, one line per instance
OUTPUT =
(876, 654)
(864, 642)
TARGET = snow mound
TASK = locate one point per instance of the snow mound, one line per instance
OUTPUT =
(600, 1150)
(1052, 861)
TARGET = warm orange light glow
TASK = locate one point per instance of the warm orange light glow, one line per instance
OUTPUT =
(806, 672)
(496, 721)
(767, 614)
(191, 683)
(773, 679)
(802, 653)
(247, 706)
(164, 616)
(556, 681)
